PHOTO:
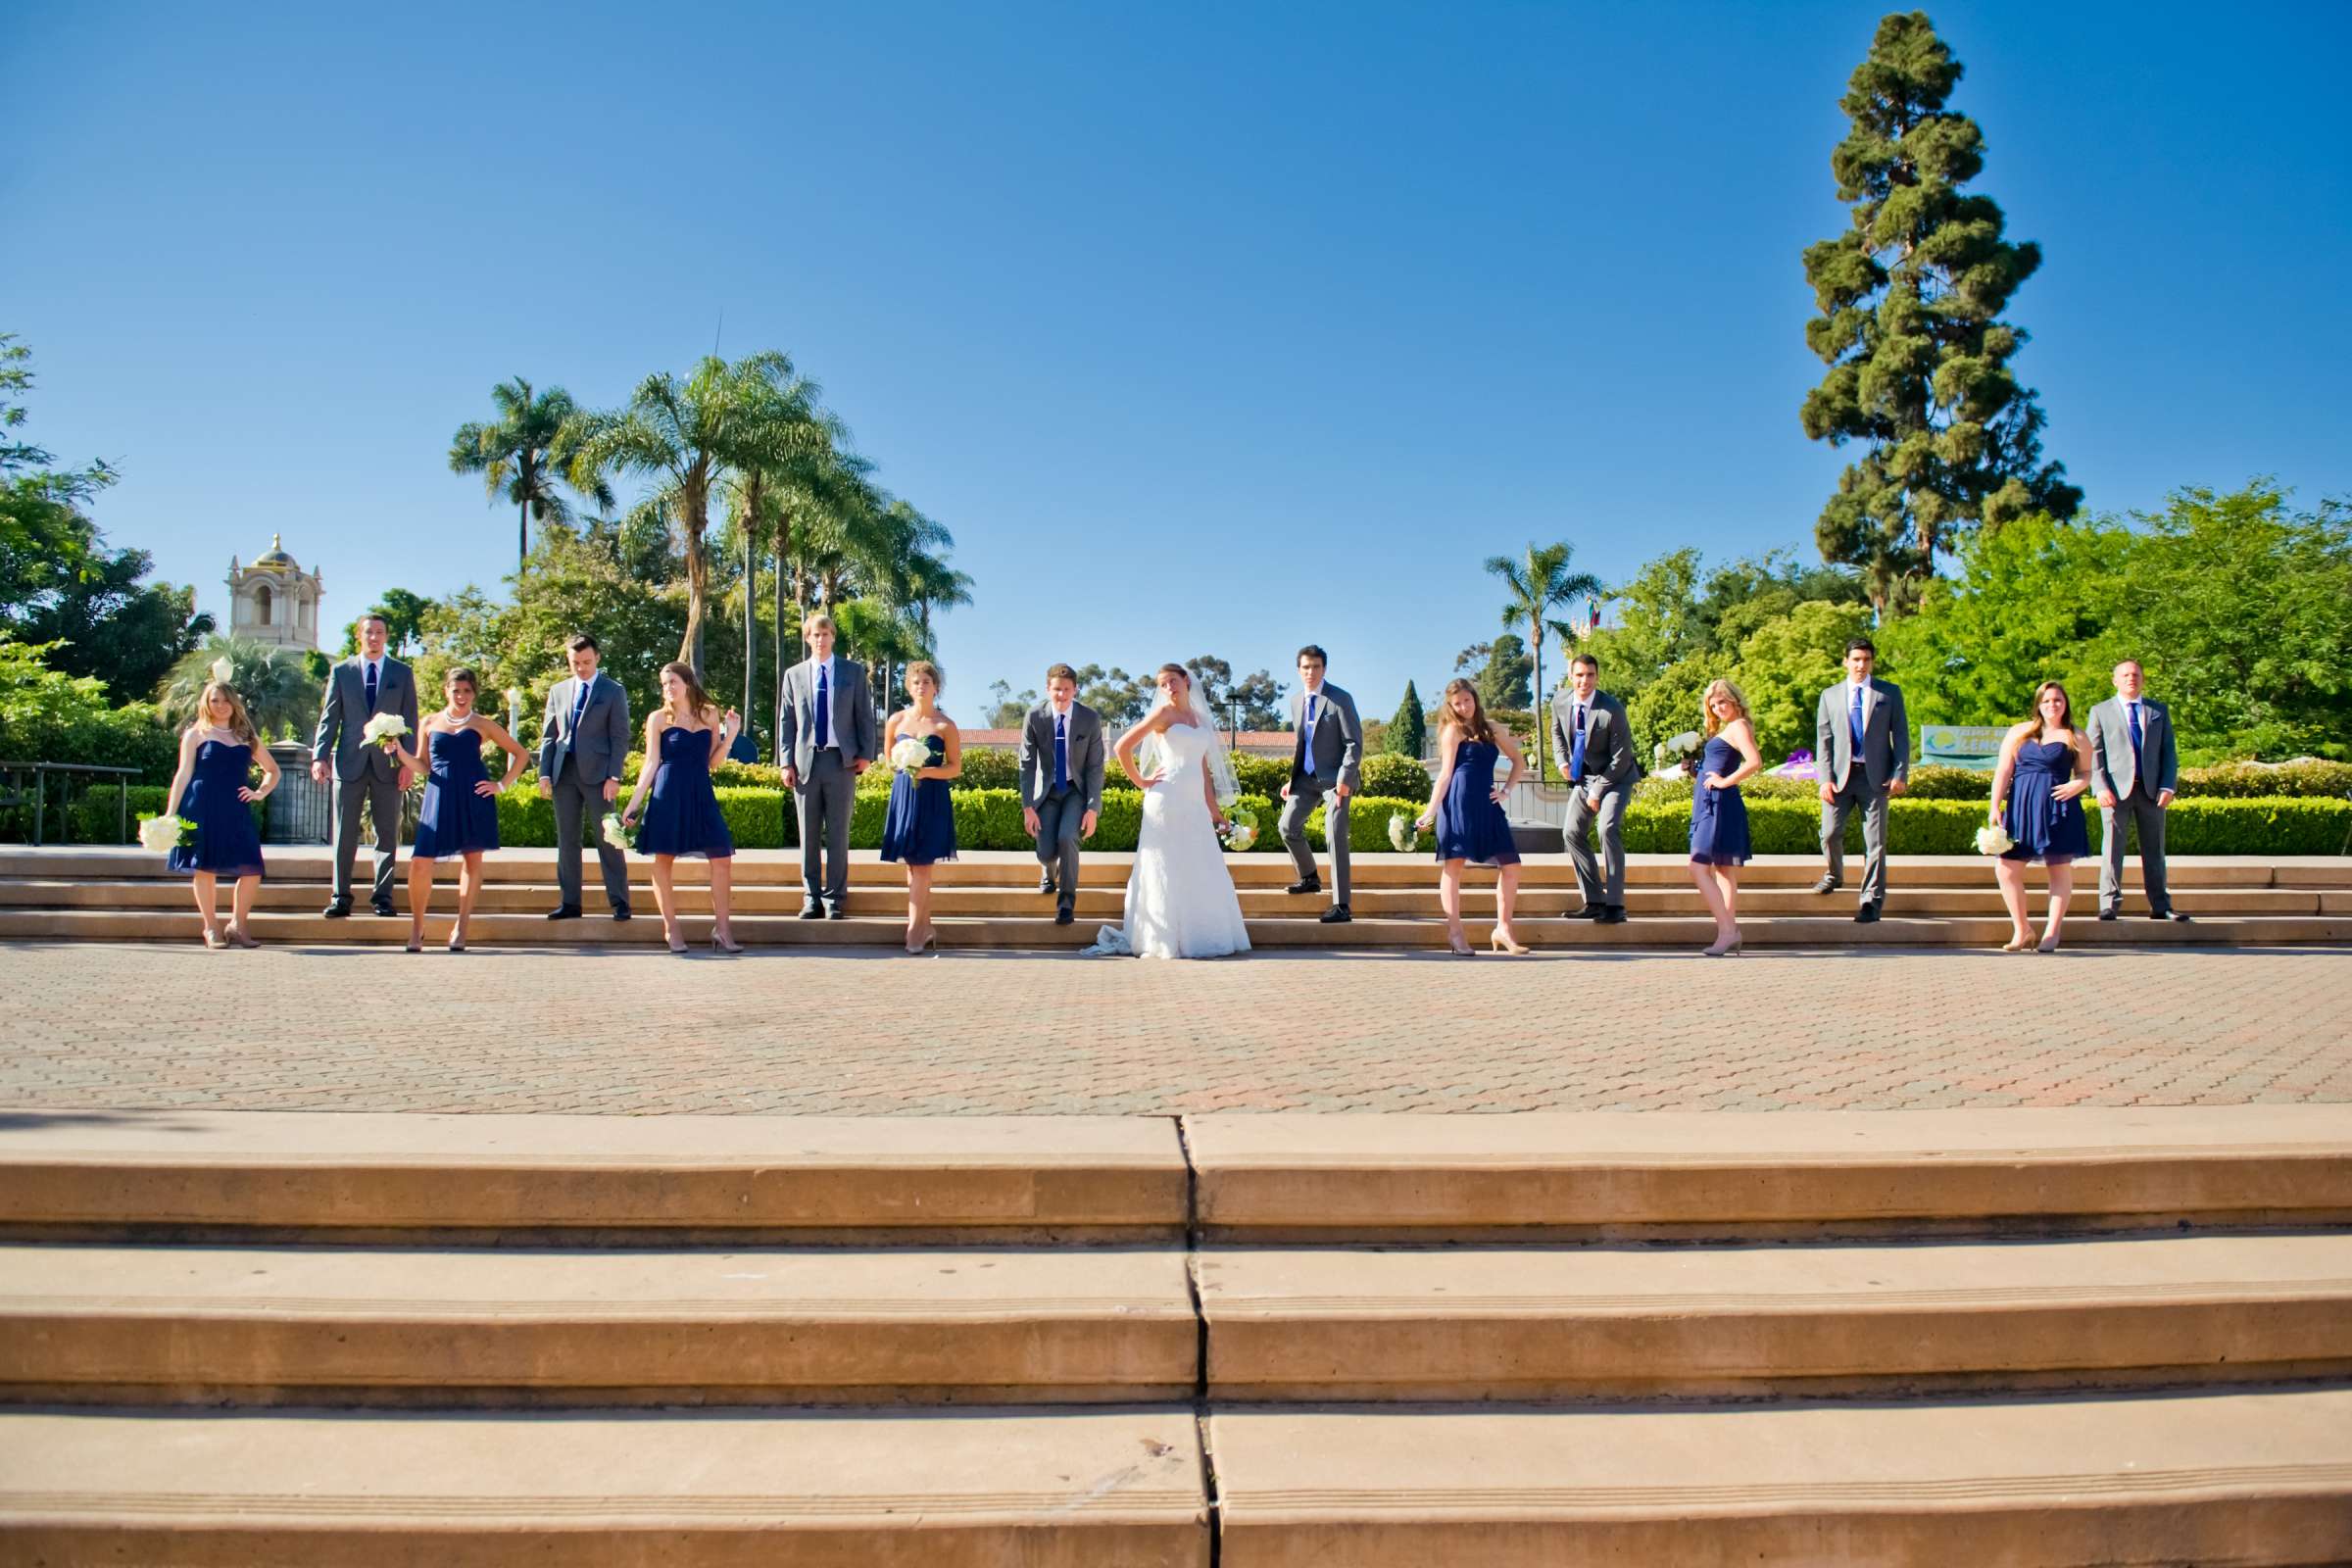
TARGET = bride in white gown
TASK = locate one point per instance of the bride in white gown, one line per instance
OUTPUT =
(1180, 898)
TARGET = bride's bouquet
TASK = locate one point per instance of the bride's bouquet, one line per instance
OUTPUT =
(159, 835)
(1995, 839)
(1240, 828)
(1403, 834)
(385, 729)
(911, 754)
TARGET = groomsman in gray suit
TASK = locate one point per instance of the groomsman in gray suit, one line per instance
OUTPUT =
(1862, 755)
(369, 683)
(2134, 769)
(1062, 784)
(826, 741)
(583, 747)
(1595, 747)
(1328, 760)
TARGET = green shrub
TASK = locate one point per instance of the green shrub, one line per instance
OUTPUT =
(2309, 777)
(1400, 777)
(2257, 826)
(1261, 775)
(996, 767)
(1949, 784)
(2207, 827)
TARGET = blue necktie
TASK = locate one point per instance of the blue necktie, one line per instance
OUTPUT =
(825, 705)
(1062, 750)
(1309, 737)
(1855, 724)
(1575, 748)
(2135, 740)
(579, 706)
(369, 668)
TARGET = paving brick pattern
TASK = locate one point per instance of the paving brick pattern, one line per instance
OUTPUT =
(620, 1031)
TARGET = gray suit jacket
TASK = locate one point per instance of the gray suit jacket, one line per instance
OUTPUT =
(851, 713)
(1885, 736)
(1087, 754)
(1608, 740)
(344, 713)
(2112, 769)
(1338, 740)
(602, 749)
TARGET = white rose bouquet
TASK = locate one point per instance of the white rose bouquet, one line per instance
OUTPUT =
(160, 835)
(385, 729)
(1995, 839)
(1240, 828)
(1403, 833)
(612, 830)
(911, 754)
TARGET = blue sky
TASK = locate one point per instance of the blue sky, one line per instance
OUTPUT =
(1207, 330)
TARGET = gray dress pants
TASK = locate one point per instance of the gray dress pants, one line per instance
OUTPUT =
(2136, 810)
(1305, 796)
(1858, 793)
(1061, 813)
(828, 793)
(1602, 880)
(377, 788)
(578, 799)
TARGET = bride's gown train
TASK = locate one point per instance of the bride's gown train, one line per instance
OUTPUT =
(1180, 898)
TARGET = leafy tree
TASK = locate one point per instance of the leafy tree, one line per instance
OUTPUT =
(1475, 657)
(58, 718)
(519, 457)
(1504, 680)
(1120, 698)
(1408, 732)
(1783, 667)
(1910, 297)
(1011, 709)
(1537, 586)
(404, 616)
(275, 684)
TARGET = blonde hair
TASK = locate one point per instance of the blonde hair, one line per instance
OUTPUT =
(240, 723)
(811, 623)
(1708, 724)
(1476, 726)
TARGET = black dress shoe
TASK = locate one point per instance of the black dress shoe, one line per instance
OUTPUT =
(1063, 914)
(2168, 915)
(564, 911)
(1828, 884)
(1594, 912)
(2109, 912)
(1337, 914)
(1867, 914)
(1310, 885)
(1610, 914)
(336, 909)
(620, 910)
(1044, 883)
(837, 911)
(382, 906)
(813, 911)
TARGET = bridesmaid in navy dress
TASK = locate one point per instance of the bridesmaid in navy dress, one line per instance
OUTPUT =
(2037, 789)
(213, 789)
(919, 828)
(1719, 845)
(459, 815)
(1466, 805)
(683, 738)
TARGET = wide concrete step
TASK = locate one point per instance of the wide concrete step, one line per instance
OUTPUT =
(714, 1490)
(441, 1326)
(1801, 1174)
(189, 1175)
(1106, 902)
(311, 864)
(1619, 1322)
(2065, 1482)
(879, 920)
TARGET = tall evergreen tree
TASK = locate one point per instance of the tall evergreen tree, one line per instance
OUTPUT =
(1910, 297)
(1408, 731)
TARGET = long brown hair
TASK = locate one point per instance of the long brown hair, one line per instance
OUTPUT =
(240, 723)
(2035, 718)
(698, 702)
(1474, 728)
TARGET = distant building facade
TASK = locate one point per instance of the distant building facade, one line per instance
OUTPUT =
(274, 601)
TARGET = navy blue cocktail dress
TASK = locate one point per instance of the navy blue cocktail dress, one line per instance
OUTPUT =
(228, 844)
(2044, 828)
(1471, 827)
(1718, 818)
(453, 820)
(919, 827)
(681, 813)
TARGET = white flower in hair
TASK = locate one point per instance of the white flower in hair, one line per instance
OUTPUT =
(222, 669)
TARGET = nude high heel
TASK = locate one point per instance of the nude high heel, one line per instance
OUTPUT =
(1460, 944)
(1503, 944)
(719, 944)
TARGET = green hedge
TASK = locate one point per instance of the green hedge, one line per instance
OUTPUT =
(2309, 780)
(2195, 825)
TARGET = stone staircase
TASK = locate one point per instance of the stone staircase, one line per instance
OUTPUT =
(990, 900)
(1262, 1342)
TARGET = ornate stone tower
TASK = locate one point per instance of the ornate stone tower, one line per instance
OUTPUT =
(274, 601)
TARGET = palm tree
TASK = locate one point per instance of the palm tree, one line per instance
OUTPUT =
(688, 436)
(1537, 586)
(278, 688)
(517, 457)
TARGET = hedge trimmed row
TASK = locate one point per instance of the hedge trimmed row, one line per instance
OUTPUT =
(2306, 780)
(2194, 825)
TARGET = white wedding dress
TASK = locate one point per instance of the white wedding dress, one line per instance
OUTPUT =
(1180, 898)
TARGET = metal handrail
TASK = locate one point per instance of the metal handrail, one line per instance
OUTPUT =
(40, 772)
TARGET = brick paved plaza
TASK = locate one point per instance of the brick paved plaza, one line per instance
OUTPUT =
(866, 1032)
